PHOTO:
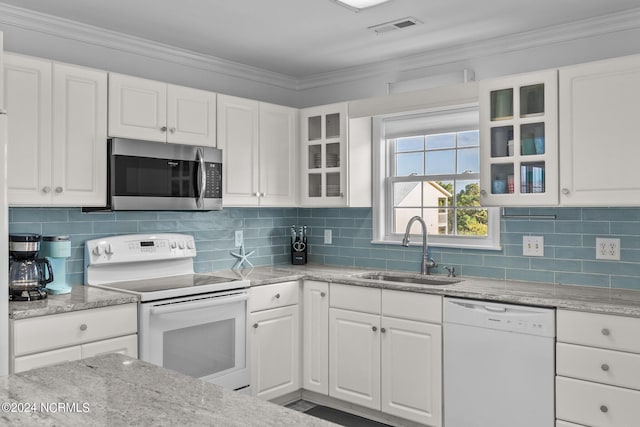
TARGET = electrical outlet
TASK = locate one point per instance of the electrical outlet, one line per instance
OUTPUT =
(607, 248)
(533, 245)
(327, 237)
(239, 238)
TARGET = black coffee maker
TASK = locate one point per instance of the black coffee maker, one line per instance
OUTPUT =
(28, 275)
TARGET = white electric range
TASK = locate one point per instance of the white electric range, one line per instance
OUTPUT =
(191, 323)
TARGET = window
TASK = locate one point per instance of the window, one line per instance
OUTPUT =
(429, 166)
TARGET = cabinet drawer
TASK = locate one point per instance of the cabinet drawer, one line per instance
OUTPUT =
(598, 330)
(47, 358)
(273, 296)
(596, 405)
(122, 345)
(412, 306)
(64, 330)
(356, 298)
(596, 364)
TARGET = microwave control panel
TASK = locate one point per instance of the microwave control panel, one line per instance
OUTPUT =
(214, 180)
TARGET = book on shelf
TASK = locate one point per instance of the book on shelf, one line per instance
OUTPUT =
(532, 179)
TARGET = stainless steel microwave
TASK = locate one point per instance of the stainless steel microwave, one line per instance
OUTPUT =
(145, 175)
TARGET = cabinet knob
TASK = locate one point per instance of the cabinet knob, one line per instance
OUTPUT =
(263, 194)
(277, 296)
(383, 330)
(565, 191)
(257, 194)
(255, 326)
(59, 190)
(163, 128)
(172, 130)
(603, 408)
(605, 332)
(323, 294)
(46, 190)
(373, 328)
(604, 367)
(83, 327)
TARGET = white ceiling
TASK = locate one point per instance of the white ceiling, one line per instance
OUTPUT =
(303, 38)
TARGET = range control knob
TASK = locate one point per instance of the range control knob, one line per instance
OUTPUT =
(191, 245)
(181, 245)
(109, 249)
(97, 250)
(174, 245)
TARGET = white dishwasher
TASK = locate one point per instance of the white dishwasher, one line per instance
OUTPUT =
(499, 364)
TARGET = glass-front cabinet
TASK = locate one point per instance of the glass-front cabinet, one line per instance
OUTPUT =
(519, 140)
(324, 155)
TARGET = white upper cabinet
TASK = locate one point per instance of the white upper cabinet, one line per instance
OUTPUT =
(258, 142)
(335, 157)
(519, 140)
(57, 133)
(157, 111)
(599, 113)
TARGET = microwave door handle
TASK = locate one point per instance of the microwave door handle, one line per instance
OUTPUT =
(202, 178)
(190, 305)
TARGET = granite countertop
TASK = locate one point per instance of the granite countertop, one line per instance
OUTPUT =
(116, 390)
(80, 298)
(581, 298)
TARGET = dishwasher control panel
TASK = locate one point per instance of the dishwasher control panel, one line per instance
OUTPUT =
(504, 317)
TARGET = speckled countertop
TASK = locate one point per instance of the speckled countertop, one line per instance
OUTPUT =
(116, 390)
(80, 298)
(581, 298)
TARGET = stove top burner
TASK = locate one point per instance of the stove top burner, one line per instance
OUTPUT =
(170, 282)
(175, 286)
(27, 295)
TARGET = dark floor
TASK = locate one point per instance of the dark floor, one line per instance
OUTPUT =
(334, 415)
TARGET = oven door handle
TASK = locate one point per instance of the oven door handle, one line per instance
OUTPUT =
(202, 178)
(189, 305)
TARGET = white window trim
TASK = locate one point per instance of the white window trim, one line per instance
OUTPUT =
(382, 198)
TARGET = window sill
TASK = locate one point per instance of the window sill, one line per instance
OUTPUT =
(486, 247)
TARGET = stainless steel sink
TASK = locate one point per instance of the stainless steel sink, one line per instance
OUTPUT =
(410, 278)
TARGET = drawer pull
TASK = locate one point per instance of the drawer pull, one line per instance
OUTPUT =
(277, 296)
(605, 332)
(604, 409)
(373, 328)
(383, 330)
(83, 327)
(604, 367)
(255, 326)
(323, 294)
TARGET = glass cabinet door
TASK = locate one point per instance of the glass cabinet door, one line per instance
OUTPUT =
(324, 147)
(518, 139)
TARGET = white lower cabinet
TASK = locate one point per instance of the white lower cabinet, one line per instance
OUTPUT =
(597, 365)
(315, 336)
(46, 340)
(385, 351)
(275, 340)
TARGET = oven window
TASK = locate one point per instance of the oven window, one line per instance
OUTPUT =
(201, 350)
(150, 177)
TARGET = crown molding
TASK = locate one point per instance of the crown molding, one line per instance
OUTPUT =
(73, 30)
(591, 27)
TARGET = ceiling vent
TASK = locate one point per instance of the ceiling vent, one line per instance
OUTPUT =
(398, 24)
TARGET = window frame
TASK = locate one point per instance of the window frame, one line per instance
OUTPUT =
(383, 198)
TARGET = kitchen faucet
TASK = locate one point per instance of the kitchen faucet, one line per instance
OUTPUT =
(427, 262)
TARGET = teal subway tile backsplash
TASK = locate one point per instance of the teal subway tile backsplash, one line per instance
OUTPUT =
(569, 252)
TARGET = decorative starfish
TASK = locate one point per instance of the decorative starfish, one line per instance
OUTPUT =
(242, 258)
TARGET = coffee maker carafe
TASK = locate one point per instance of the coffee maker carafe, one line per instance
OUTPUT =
(28, 275)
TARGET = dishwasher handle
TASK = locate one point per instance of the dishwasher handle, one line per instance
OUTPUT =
(495, 309)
